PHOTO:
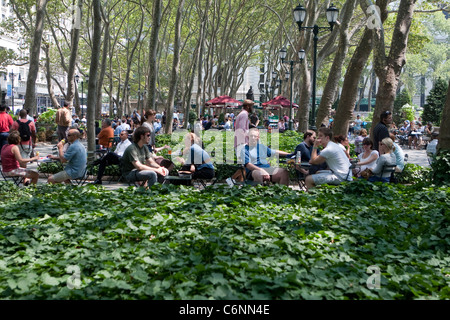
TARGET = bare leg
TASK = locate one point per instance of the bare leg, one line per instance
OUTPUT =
(309, 182)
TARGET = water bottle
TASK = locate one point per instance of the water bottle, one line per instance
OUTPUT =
(298, 157)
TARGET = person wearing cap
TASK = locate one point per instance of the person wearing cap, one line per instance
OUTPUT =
(242, 126)
(381, 130)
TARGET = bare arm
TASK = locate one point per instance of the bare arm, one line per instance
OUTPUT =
(22, 162)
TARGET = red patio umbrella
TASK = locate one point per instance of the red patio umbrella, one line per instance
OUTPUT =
(223, 101)
(279, 102)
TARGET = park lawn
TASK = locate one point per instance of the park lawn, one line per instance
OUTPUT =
(175, 242)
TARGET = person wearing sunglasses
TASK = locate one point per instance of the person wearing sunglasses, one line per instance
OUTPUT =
(137, 161)
(75, 156)
(381, 130)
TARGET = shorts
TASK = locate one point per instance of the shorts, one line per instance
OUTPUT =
(270, 170)
(326, 177)
(19, 172)
(61, 177)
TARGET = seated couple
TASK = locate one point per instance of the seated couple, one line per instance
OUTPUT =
(371, 163)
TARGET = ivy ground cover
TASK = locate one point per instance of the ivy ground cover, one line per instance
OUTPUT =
(175, 242)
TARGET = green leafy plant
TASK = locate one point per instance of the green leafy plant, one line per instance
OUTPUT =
(441, 168)
(172, 242)
(432, 110)
(47, 117)
(413, 174)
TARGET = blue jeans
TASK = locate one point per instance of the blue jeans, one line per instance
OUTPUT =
(3, 139)
(144, 175)
(378, 179)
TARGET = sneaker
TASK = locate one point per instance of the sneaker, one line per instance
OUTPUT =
(97, 182)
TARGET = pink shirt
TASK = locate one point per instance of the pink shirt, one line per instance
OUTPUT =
(241, 127)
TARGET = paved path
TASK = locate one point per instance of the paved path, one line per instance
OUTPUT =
(418, 157)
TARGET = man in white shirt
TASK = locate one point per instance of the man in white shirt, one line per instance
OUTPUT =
(113, 157)
(125, 125)
(334, 156)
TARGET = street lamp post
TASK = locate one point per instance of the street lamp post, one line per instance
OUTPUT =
(299, 16)
(77, 78)
(274, 76)
(301, 56)
(11, 76)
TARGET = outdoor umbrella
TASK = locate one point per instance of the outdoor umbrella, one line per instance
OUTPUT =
(223, 101)
(279, 102)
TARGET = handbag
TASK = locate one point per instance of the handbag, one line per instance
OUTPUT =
(366, 174)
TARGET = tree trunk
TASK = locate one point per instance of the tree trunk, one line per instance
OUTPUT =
(198, 99)
(388, 69)
(353, 74)
(444, 130)
(329, 91)
(152, 62)
(51, 93)
(93, 76)
(349, 93)
(305, 95)
(175, 69)
(73, 58)
(30, 94)
(102, 69)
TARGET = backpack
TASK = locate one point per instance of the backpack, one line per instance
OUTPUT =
(24, 130)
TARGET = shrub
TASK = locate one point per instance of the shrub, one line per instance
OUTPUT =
(414, 174)
(441, 168)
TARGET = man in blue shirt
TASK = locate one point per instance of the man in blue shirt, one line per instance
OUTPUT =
(255, 161)
(75, 156)
(305, 148)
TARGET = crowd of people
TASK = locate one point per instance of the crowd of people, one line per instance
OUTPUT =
(327, 155)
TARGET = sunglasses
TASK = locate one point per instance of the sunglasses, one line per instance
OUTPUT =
(148, 134)
(386, 113)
